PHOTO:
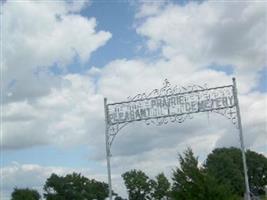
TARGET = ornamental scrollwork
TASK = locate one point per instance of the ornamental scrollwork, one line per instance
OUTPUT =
(166, 90)
(171, 104)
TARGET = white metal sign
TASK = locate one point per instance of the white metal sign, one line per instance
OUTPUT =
(172, 104)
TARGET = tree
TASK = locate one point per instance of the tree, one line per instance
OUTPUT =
(257, 171)
(226, 165)
(74, 186)
(25, 194)
(161, 187)
(192, 183)
(138, 185)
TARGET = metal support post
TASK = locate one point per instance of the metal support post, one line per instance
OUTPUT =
(108, 155)
(247, 193)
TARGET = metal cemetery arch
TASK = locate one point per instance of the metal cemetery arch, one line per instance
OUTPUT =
(174, 104)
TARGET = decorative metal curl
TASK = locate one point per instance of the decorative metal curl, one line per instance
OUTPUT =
(114, 130)
(229, 113)
(166, 119)
(167, 90)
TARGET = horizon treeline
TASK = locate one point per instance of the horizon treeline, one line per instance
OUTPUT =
(221, 177)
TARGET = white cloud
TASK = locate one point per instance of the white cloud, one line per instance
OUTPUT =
(226, 33)
(149, 8)
(38, 35)
(72, 111)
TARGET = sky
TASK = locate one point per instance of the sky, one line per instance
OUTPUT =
(59, 59)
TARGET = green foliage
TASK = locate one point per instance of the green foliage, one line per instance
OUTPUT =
(225, 164)
(257, 171)
(25, 194)
(138, 185)
(74, 186)
(192, 183)
(161, 187)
